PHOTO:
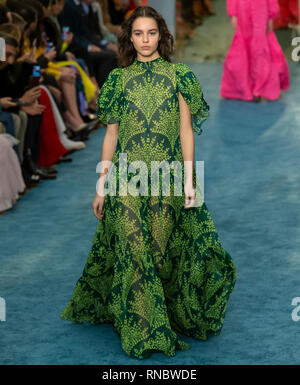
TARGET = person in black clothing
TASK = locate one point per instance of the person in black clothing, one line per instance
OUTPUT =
(79, 17)
(55, 8)
(117, 14)
(14, 79)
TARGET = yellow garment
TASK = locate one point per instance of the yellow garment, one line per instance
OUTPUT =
(53, 69)
(28, 48)
(64, 46)
(88, 85)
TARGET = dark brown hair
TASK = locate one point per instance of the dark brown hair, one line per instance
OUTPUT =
(9, 40)
(126, 48)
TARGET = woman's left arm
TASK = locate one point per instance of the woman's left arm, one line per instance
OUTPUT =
(188, 148)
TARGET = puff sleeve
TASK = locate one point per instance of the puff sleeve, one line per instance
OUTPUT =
(273, 9)
(191, 90)
(110, 98)
(231, 8)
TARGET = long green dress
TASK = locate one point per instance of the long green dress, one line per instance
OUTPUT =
(154, 266)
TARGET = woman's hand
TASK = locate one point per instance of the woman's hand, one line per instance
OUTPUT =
(97, 204)
(190, 196)
(94, 48)
(67, 74)
(31, 95)
(28, 57)
(51, 55)
(234, 22)
(113, 47)
(69, 38)
(70, 56)
(7, 103)
(33, 109)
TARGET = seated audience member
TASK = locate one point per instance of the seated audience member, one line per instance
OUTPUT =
(108, 35)
(95, 30)
(14, 79)
(33, 51)
(87, 91)
(68, 43)
(8, 121)
(11, 180)
(117, 11)
(113, 28)
(34, 119)
(76, 15)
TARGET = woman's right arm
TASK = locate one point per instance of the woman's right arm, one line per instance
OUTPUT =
(108, 151)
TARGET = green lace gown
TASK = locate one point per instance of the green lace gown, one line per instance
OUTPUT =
(154, 267)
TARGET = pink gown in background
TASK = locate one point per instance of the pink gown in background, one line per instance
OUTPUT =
(11, 179)
(255, 64)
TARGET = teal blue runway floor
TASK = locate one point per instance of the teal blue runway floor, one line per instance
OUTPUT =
(252, 190)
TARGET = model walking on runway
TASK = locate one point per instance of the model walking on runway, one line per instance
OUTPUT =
(156, 265)
(255, 67)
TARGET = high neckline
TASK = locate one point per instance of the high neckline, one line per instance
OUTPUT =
(149, 62)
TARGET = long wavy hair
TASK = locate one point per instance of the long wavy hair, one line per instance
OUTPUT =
(126, 48)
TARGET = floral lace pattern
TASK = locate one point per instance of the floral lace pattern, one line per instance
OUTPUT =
(154, 266)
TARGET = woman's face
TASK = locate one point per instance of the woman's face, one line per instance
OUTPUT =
(145, 36)
(10, 56)
(58, 7)
(61, 5)
(47, 11)
(9, 17)
(32, 27)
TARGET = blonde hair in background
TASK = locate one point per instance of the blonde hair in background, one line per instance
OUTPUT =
(12, 30)
(18, 20)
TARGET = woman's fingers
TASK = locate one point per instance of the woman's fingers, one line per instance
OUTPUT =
(98, 211)
(190, 201)
(190, 196)
(40, 108)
